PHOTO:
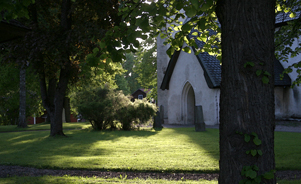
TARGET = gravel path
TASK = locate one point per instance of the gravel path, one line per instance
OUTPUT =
(8, 171)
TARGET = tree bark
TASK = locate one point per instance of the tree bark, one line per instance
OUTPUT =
(246, 103)
(50, 94)
(22, 109)
(67, 109)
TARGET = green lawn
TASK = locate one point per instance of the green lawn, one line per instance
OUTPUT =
(80, 180)
(44, 126)
(167, 150)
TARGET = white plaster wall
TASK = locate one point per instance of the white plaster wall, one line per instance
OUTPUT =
(292, 96)
(162, 63)
(188, 69)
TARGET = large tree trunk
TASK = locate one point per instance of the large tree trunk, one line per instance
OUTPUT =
(246, 103)
(55, 107)
(56, 121)
(22, 108)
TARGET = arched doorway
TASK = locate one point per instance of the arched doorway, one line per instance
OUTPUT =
(188, 103)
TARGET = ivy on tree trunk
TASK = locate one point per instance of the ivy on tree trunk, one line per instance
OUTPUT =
(247, 99)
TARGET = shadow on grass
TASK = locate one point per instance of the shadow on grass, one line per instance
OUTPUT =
(208, 140)
(36, 148)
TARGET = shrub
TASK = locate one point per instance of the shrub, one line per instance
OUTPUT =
(137, 112)
(94, 105)
(103, 106)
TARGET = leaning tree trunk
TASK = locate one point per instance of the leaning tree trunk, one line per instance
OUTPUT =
(22, 109)
(247, 91)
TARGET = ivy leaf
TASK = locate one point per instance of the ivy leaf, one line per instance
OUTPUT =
(259, 152)
(251, 174)
(265, 79)
(257, 141)
(257, 179)
(258, 72)
(267, 73)
(269, 175)
(249, 63)
(253, 153)
(247, 138)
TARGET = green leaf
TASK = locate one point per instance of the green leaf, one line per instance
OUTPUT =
(259, 152)
(195, 3)
(267, 73)
(257, 141)
(292, 15)
(249, 64)
(253, 153)
(194, 34)
(251, 174)
(255, 168)
(269, 175)
(257, 179)
(202, 23)
(95, 50)
(247, 137)
(206, 5)
(265, 79)
(190, 11)
(186, 27)
(187, 49)
(102, 44)
(258, 72)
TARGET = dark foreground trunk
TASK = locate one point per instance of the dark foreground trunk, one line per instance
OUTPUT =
(22, 109)
(246, 103)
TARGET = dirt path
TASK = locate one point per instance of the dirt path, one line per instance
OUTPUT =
(8, 171)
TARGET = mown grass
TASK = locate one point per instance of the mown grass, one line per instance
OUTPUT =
(80, 180)
(44, 126)
(144, 150)
(166, 150)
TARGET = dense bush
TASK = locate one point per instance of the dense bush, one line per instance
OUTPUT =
(104, 107)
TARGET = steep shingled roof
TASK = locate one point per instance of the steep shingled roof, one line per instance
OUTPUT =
(212, 70)
(212, 67)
